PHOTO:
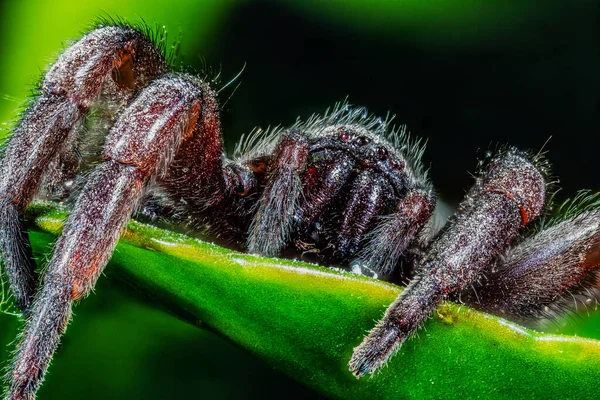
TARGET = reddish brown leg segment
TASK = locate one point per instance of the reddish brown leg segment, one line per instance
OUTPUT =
(80, 255)
(35, 144)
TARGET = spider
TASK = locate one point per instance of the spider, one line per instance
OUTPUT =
(339, 188)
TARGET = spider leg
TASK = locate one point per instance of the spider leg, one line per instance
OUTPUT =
(152, 127)
(43, 129)
(534, 277)
(70, 87)
(280, 201)
(391, 238)
(198, 173)
(202, 187)
(512, 193)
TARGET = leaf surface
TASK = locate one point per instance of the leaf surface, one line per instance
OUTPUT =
(305, 320)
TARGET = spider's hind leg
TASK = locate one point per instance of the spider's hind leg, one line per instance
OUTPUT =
(138, 146)
(115, 60)
(16, 250)
(40, 134)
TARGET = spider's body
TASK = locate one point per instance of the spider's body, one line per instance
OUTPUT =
(338, 186)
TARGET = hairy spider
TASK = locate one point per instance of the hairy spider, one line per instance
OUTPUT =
(338, 187)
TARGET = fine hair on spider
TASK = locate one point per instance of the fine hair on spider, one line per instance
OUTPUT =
(342, 188)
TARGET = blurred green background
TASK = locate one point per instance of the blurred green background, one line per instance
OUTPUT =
(463, 74)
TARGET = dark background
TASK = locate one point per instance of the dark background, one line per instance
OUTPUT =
(522, 84)
(464, 75)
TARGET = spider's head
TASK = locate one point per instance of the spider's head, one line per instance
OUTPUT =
(369, 149)
(373, 151)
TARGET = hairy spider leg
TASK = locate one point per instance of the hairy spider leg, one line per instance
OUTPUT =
(198, 175)
(512, 193)
(50, 124)
(37, 139)
(273, 222)
(204, 187)
(545, 273)
(392, 237)
(146, 133)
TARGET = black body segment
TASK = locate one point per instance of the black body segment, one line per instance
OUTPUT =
(512, 192)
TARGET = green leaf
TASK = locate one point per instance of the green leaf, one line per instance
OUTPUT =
(305, 320)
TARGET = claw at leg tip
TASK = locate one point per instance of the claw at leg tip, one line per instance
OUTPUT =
(360, 364)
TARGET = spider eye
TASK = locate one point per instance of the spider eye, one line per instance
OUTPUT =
(382, 153)
(362, 141)
(397, 165)
(344, 136)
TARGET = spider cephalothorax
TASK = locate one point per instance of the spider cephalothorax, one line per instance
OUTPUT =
(338, 186)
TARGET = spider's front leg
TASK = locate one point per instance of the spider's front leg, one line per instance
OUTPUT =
(507, 197)
(112, 62)
(152, 127)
